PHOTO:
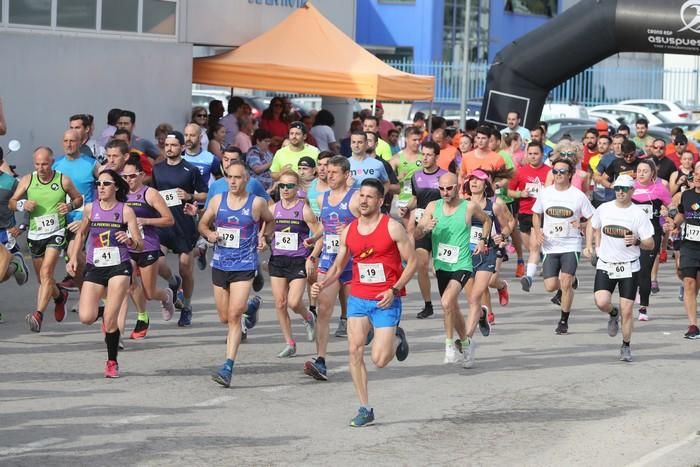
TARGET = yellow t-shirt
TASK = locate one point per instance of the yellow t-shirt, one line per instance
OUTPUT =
(383, 150)
(285, 156)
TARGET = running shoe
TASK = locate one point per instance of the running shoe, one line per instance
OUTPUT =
(223, 376)
(402, 349)
(310, 327)
(175, 289)
(180, 299)
(342, 329)
(484, 326)
(22, 272)
(643, 315)
(258, 280)
(655, 287)
(68, 283)
(111, 369)
(491, 317)
(681, 294)
(35, 319)
(251, 314)
(562, 328)
(185, 317)
(510, 249)
(59, 311)
(625, 353)
(288, 351)
(468, 352)
(364, 417)
(168, 306)
(202, 256)
(526, 283)
(140, 330)
(693, 332)
(614, 324)
(503, 295)
(426, 312)
(451, 355)
(574, 284)
(556, 299)
(316, 369)
(663, 256)
(520, 269)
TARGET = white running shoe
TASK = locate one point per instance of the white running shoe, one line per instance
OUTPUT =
(168, 307)
(451, 354)
(310, 327)
(468, 352)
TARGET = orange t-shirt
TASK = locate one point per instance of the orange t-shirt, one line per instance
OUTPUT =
(447, 155)
(492, 162)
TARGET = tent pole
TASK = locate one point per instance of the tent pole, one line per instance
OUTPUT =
(430, 120)
(374, 106)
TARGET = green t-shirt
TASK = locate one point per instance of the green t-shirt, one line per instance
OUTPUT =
(503, 192)
(450, 239)
(404, 172)
(383, 150)
(44, 220)
(286, 156)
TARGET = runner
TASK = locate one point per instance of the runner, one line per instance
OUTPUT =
(290, 258)
(619, 229)
(376, 244)
(424, 188)
(151, 213)
(46, 190)
(338, 209)
(449, 220)
(235, 216)
(111, 228)
(555, 222)
(12, 262)
(179, 182)
(407, 162)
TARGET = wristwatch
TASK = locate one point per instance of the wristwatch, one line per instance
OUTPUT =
(395, 291)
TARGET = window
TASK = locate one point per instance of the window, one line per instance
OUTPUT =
(32, 12)
(159, 17)
(532, 7)
(399, 2)
(120, 15)
(81, 14)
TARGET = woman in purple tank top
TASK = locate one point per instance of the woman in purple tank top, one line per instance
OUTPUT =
(111, 229)
(291, 245)
(151, 212)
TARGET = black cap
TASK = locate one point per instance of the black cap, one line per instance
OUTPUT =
(299, 126)
(177, 135)
(681, 139)
(307, 161)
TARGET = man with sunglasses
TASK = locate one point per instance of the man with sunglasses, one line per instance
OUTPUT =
(555, 223)
(448, 221)
(619, 229)
(625, 165)
(664, 166)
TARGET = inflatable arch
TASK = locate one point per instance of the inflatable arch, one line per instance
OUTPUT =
(524, 72)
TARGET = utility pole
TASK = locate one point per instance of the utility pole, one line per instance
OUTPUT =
(463, 90)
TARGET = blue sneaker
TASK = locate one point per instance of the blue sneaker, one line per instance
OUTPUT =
(22, 272)
(176, 291)
(402, 349)
(316, 369)
(364, 417)
(185, 317)
(223, 376)
(251, 314)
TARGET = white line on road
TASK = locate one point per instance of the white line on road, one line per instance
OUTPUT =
(215, 401)
(339, 369)
(662, 451)
(276, 388)
(130, 420)
(29, 447)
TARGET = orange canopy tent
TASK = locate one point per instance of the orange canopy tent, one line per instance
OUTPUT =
(307, 54)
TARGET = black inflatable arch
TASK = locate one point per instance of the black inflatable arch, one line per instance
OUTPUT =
(524, 72)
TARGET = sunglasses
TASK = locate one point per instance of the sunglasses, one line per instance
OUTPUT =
(201, 115)
(99, 183)
(446, 188)
(567, 154)
(130, 176)
(287, 186)
(560, 171)
(658, 147)
(623, 189)
(629, 154)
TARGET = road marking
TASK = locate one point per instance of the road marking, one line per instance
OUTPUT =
(130, 420)
(276, 388)
(29, 447)
(339, 369)
(215, 401)
(662, 451)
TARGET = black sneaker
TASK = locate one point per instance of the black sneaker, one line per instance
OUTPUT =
(562, 328)
(556, 299)
(402, 349)
(574, 285)
(484, 326)
(693, 332)
(176, 289)
(258, 281)
(426, 312)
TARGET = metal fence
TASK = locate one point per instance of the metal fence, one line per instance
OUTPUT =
(596, 85)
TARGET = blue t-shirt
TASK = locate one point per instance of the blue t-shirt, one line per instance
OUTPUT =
(600, 193)
(368, 168)
(221, 186)
(80, 171)
(207, 163)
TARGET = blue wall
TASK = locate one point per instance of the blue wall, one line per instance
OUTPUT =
(417, 25)
(505, 27)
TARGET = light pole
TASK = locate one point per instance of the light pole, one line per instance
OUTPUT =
(463, 90)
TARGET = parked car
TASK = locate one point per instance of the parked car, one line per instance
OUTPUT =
(203, 97)
(552, 111)
(556, 123)
(628, 114)
(690, 129)
(577, 132)
(448, 110)
(668, 110)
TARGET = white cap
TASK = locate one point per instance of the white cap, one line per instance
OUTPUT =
(624, 180)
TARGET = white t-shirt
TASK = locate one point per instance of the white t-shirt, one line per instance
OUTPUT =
(558, 209)
(614, 222)
(324, 136)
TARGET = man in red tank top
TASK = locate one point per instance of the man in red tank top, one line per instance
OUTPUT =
(377, 245)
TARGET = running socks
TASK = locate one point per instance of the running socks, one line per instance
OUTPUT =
(312, 309)
(228, 364)
(112, 340)
(172, 282)
(625, 344)
(186, 303)
(565, 316)
(143, 316)
(531, 270)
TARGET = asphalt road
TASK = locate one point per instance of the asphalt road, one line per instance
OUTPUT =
(533, 398)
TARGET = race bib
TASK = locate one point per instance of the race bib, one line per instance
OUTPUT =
(448, 253)
(558, 229)
(407, 190)
(692, 233)
(476, 234)
(287, 241)
(648, 209)
(105, 256)
(228, 238)
(371, 273)
(170, 197)
(418, 214)
(533, 189)
(619, 270)
(47, 224)
(331, 243)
